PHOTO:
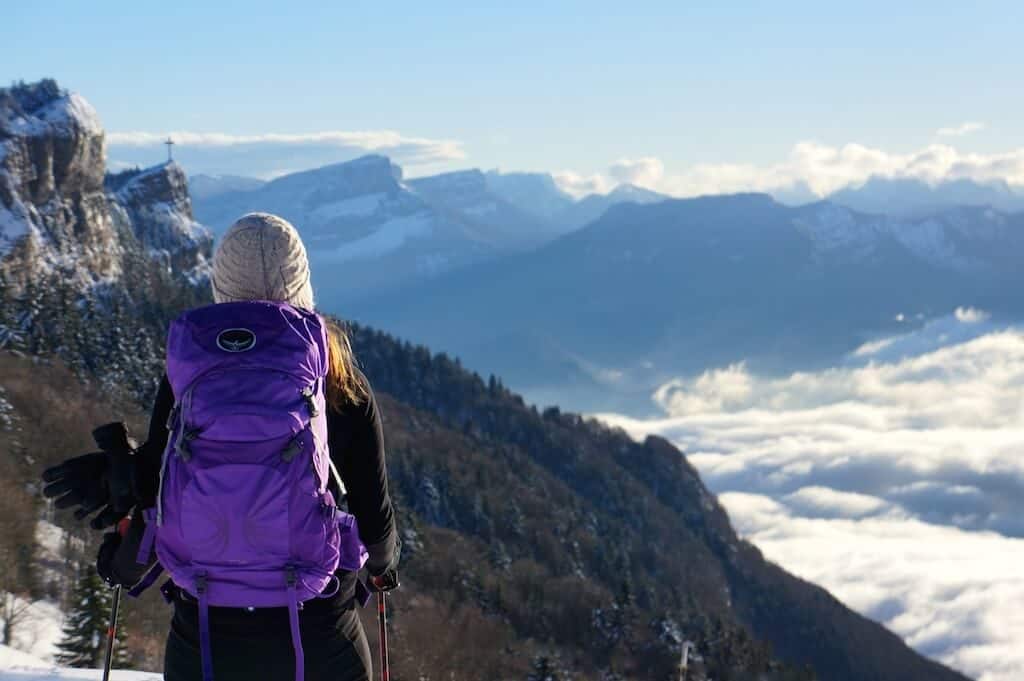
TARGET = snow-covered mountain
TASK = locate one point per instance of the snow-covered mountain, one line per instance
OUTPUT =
(467, 196)
(535, 193)
(371, 229)
(649, 292)
(57, 214)
(965, 239)
(911, 198)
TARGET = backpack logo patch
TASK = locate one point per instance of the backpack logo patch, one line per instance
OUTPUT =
(236, 340)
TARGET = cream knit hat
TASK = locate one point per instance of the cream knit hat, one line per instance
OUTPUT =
(262, 258)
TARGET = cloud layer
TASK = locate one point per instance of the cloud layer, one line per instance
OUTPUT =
(811, 170)
(895, 480)
(272, 154)
(960, 130)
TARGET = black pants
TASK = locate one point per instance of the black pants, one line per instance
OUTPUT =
(257, 645)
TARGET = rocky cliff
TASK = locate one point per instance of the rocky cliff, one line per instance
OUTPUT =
(56, 214)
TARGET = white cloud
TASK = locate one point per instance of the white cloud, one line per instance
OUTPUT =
(894, 480)
(578, 185)
(643, 172)
(950, 594)
(818, 170)
(375, 140)
(271, 154)
(960, 130)
(825, 502)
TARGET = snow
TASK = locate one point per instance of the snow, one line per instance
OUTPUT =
(389, 237)
(7, 415)
(75, 106)
(38, 630)
(359, 206)
(928, 241)
(835, 229)
(18, 666)
(50, 540)
(12, 229)
(61, 115)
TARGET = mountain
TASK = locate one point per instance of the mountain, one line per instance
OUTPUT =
(911, 198)
(203, 187)
(647, 293)
(467, 196)
(535, 193)
(593, 206)
(371, 230)
(82, 253)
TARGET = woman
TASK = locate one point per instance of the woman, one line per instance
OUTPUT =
(262, 258)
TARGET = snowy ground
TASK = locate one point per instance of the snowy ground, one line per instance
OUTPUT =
(18, 666)
(37, 633)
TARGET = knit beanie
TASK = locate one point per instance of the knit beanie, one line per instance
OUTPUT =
(262, 258)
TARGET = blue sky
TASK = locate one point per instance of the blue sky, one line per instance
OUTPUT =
(552, 86)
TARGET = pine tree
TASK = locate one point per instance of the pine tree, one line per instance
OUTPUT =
(85, 629)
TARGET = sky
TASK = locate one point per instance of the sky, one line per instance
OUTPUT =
(692, 98)
(893, 479)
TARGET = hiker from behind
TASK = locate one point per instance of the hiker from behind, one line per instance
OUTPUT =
(261, 426)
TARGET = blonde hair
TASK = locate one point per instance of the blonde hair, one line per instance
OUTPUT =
(345, 384)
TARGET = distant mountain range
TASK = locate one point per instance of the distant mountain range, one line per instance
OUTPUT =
(594, 302)
(914, 198)
(372, 229)
(650, 292)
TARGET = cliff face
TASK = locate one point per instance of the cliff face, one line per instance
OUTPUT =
(55, 211)
(155, 204)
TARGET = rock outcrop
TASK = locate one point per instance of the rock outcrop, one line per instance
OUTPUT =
(155, 204)
(57, 214)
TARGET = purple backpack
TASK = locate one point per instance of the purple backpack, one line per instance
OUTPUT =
(243, 515)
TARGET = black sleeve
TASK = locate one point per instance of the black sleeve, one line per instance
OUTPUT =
(356, 441)
(148, 456)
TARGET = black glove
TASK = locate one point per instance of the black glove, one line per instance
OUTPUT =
(98, 480)
(386, 581)
(105, 557)
(117, 560)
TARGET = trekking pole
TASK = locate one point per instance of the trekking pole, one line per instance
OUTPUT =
(111, 634)
(382, 611)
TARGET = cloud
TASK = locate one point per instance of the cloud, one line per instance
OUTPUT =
(271, 154)
(893, 479)
(643, 172)
(578, 185)
(817, 170)
(951, 594)
(824, 502)
(960, 130)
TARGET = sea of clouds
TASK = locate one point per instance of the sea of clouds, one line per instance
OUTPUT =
(895, 480)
